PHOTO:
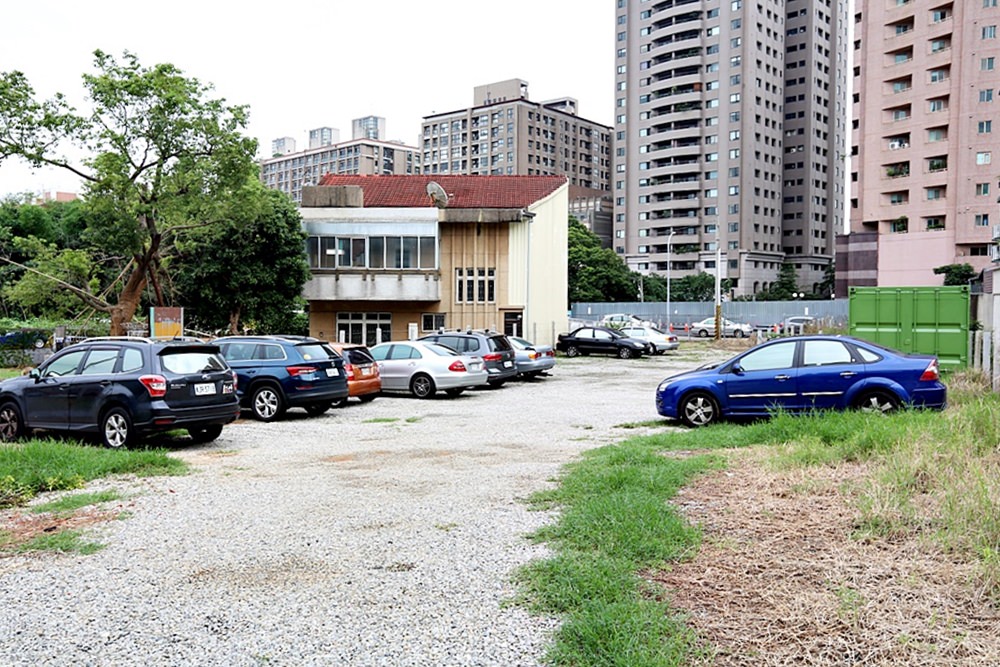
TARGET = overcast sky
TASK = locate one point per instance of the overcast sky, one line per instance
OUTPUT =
(302, 64)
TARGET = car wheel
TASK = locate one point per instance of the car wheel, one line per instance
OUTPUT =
(703, 333)
(624, 353)
(340, 402)
(367, 398)
(316, 409)
(205, 433)
(266, 403)
(572, 351)
(11, 424)
(881, 402)
(495, 384)
(116, 429)
(422, 386)
(698, 409)
(452, 393)
(653, 350)
(39, 343)
(739, 333)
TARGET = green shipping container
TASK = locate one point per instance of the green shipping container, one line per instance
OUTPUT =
(924, 320)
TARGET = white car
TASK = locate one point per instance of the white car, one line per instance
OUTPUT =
(423, 368)
(706, 328)
(658, 341)
(619, 320)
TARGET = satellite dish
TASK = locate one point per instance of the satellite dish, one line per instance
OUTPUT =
(437, 194)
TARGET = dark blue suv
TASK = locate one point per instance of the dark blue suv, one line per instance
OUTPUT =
(122, 389)
(280, 372)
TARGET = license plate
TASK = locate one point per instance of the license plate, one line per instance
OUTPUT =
(204, 389)
(366, 371)
(332, 372)
(508, 364)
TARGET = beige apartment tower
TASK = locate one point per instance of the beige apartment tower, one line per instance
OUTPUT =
(924, 179)
(729, 134)
(504, 133)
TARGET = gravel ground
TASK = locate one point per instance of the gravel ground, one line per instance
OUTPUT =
(378, 534)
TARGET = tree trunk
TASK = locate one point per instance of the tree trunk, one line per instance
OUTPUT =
(128, 301)
(234, 321)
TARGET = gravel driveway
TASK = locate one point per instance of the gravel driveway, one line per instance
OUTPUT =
(378, 534)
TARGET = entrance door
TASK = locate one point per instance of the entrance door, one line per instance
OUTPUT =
(513, 324)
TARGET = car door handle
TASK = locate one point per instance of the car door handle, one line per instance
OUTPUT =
(782, 378)
(848, 374)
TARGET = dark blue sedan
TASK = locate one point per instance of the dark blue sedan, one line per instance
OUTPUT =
(802, 374)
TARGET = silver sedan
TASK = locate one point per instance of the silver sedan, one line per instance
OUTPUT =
(531, 359)
(422, 368)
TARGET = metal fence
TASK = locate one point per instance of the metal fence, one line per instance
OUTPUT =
(760, 314)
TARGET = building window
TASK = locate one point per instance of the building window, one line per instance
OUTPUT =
(989, 32)
(899, 225)
(934, 193)
(432, 321)
(984, 157)
(982, 219)
(934, 223)
(984, 126)
(982, 189)
(986, 95)
(987, 64)
(475, 285)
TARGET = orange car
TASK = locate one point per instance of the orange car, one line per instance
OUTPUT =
(363, 380)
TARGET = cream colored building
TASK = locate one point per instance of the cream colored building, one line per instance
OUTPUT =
(388, 264)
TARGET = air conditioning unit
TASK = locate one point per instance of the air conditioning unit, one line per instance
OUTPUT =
(896, 144)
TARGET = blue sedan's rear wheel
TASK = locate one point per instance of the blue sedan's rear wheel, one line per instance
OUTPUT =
(698, 409)
(877, 401)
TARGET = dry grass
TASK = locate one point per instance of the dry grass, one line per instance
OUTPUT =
(781, 581)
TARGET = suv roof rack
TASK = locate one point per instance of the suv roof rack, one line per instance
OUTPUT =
(144, 339)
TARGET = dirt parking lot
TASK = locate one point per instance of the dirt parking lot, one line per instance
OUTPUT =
(378, 534)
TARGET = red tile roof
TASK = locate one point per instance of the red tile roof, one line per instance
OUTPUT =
(463, 191)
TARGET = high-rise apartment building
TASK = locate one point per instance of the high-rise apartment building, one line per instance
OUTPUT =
(926, 130)
(369, 127)
(324, 136)
(729, 136)
(504, 133)
(290, 173)
(282, 146)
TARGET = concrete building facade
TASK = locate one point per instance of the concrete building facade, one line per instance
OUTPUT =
(290, 173)
(389, 264)
(729, 137)
(926, 141)
(504, 133)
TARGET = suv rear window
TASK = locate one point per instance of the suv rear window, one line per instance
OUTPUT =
(314, 352)
(358, 356)
(499, 343)
(188, 361)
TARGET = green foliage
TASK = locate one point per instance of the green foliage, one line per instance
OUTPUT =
(76, 500)
(40, 295)
(63, 541)
(783, 288)
(615, 520)
(956, 274)
(34, 466)
(596, 273)
(248, 268)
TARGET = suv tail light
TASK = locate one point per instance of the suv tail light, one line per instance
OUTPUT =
(296, 371)
(493, 356)
(457, 366)
(931, 373)
(156, 385)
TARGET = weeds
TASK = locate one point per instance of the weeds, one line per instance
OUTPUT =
(76, 501)
(64, 541)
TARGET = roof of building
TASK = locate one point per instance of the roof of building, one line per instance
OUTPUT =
(402, 191)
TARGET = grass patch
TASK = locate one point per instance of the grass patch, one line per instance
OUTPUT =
(413, 420)
(652, 423)
(615, 521)
(381, 420)
(7, 373)
(34, 466)
(63, 541)
(76, 501)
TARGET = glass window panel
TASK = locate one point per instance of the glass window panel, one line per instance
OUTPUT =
(428, 252)
(409, 252)
(393, 252)
(376, 252)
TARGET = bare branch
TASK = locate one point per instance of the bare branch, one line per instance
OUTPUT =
(84, 295)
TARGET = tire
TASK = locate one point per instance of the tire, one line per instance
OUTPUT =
(39, 343)
(495, 384)
(316, 409)
(205, 434)
(367, 398)
(422, 386)
(266, 404)
(653, 350)
(881, 402)
(340, 402)
(739, 333)
(703, 333)
(698, 409)
(572, 351)
(454, 393)
(11, 422)
(116, 429)
(624, 353)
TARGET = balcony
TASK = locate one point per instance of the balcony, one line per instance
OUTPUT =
(373, 286)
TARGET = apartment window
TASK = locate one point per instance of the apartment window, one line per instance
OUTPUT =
(987, 64)
(900, 114)
(939, 163)
(475, 285)
(432, 321)
(936, 105)
(982, 189)
(938, 75)
(899, 225)
(939, 15)
(984, 126)
(897, 198)
(982, 219)
(934, 193)
(934, 223)
(989, 32)
(986, 95)
(937, 134)
(938, 45)
(989, 3)
(734, 190)
(984, 157)
(734, 98)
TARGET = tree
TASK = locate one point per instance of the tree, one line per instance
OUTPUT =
(159, 154)
(784, 287)
(956, 274)
(596, 273)
(249, 267)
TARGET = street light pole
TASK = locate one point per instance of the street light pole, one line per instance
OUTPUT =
(669, 239)
(718, 286)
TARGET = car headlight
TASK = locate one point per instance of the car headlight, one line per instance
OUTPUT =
(663, 385)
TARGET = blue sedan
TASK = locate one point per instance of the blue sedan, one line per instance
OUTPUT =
(803, 374)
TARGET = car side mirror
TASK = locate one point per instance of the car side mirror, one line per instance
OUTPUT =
(736, 369)
(35, 373)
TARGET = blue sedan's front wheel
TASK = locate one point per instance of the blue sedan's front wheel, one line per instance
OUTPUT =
(698, 409)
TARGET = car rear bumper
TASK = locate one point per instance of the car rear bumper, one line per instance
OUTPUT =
(536, 365)
(163, 417)
(306, 394)
(460, 380)
(371, 385)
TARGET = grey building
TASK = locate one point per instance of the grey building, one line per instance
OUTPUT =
(729, 134)
(323, 136)
(369, 127)
(505, 133)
